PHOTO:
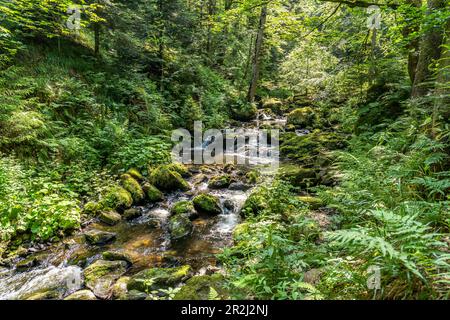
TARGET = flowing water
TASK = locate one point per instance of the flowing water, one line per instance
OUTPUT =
(145, 239)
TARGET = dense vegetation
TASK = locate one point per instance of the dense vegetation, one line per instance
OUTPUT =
(80, 105)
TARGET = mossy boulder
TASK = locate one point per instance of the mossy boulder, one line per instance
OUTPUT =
(110, 217)
(244, 111)
(254, 205)
(157, 278)
(98, 237)
(313, 202)
(117, 198)
(101, 275)
(153, 194)
(207, 204)
(220, 182)
(82, 295)
(133, 187)
(26, 264)
(180, 227)
(135, 174)
(119, 290)
(179, 168)
(132, 213)
(165, 179)
(199, 288)
(185, 208)
(299, 176)
(275, 105)
(92, 208)
(301, 118)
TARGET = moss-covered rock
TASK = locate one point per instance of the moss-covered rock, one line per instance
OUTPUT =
(153, 194)
(301, 118)
(132, 213)
(98, 237)
(179, 168)
(185, 208)
(117, 198)
(92, 208)
(220, 182)
(199, 288)
(110, 217)
(118, 255)
(135, 174)
(207, 204)
(168, 180)
(82, 295)
(255, 204)
(157, 278)
(26, 264)
(102, 274)
(119, 290)
(180, 227)
(299, 176)
(313, 202)
(133, 187)
(244, 111)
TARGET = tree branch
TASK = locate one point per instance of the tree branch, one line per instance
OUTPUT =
(363, 4)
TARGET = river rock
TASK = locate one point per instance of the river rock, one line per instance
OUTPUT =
(26, 264)
(110, 217)
(98, 237)
(199, 288)
(132, 213)
(180, 227)
(134, 295)
(166, 179)
(153, 194)
(119, 289)
(239, 186)
(82, 295)
(101, 275)
(185, 208)
(220, 182)
(207, 204)
(229, 205)
(118, 255)
(133, 187)
(157, 278)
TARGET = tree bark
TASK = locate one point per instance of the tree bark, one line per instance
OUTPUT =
(430, 51)
(257, 55)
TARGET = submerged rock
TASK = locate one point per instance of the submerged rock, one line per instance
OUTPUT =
(199, 288)
(132, 213)
(110, 217)
(118, 255)
(98, 237)
(82, 295)
(207, 204)
(180, 227)
(157, 278)
(101, 275)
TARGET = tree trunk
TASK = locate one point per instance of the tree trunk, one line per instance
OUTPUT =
(430, 50)
(413, 46)
(257, 55)
(97, 39)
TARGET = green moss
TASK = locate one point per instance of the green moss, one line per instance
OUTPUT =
(302, 117)
(166, 179)
(101, 268)
(241, 229)
(153, 194)
(135, 174)
(133, 187)
(313, 202)
(185, 208)
(117, 197)
(92, 208)
(110, 217)
(179, 168)
(299, 176)
(252, 177)
(254, 205)
(244, 111)
(180, 227)
(220, 182)
(199, 288)
(208, 204)
(157, 278)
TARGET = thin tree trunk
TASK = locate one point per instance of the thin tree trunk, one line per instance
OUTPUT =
(430, 50)
(257, 55)
(413, 45)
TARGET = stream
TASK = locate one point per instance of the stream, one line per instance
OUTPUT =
(146, 239)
